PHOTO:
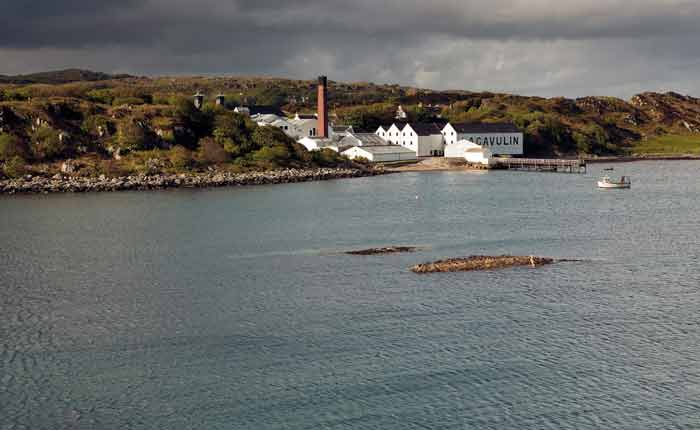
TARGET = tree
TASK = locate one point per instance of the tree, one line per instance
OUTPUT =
(270, 136)
(47, 144)
(133, 135)
(368, 118)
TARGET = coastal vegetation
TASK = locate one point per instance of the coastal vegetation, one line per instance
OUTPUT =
(122, 125)
(669, 145)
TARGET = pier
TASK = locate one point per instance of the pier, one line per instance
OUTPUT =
(540, 165)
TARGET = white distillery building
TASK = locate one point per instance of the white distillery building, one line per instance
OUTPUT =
(393, 133)
(381, 154)
(469, 151)
(498, 138)
(304, 127)
(425, 139)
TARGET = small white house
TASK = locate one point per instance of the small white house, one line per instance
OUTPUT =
(425, 139)
(382, 132)
(381, 154)
(469, 151)
(500, 139)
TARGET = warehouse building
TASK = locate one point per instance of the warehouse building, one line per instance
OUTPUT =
(362, 139)
(381, 154)
(469, 151)
(425, 139)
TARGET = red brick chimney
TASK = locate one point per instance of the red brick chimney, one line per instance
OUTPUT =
(322, 107)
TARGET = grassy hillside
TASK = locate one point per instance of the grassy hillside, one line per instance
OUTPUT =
(47, 118)
(59, 77)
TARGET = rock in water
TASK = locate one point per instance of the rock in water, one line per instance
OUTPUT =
(480, 262)
(380, 251)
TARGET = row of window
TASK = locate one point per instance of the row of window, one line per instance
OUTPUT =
(383, 134)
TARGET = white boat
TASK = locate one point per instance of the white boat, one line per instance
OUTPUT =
(606, 182)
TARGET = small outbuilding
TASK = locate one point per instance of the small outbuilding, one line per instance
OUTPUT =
(469, 151)
(381, 154)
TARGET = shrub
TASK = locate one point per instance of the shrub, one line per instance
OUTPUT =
(12, 146)
(14, 167)
(326, 158)
(47, 144)
(211, 151)
(181, 158)
(133, 135)
(277, 155)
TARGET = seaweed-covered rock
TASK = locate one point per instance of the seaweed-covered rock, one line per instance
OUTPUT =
(481, 262)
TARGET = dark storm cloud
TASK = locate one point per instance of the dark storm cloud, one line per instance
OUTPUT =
(496, 44)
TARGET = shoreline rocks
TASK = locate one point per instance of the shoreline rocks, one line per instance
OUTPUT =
(481, 262)
(70, 184)
(382, 251)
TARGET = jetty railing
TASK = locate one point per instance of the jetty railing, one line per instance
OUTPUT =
(541, 164)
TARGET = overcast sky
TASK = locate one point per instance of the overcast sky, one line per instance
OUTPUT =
(531, 47)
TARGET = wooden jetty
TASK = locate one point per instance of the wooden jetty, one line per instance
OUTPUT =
(540, 164)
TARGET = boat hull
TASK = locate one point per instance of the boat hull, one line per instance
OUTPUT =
(612, 185)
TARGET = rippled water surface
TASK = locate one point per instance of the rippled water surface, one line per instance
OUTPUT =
(234, 308)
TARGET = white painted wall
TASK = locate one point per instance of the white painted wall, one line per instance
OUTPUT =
(394, 135)
(498, 144)
(424, 146)
(304, 128)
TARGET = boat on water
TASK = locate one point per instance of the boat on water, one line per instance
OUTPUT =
(607, 182)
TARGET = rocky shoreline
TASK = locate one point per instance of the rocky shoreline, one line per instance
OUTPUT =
(74, 184)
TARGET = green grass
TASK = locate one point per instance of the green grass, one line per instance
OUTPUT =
(669, 145)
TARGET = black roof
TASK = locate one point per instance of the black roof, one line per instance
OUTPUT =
(265, 110)
(399, 124)
(426, 129)
(486, 127)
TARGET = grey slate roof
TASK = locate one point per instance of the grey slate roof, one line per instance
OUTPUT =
(387, 149)
(265, 110)
(369, 139)
(341, 128)
(486, 128)
(426, 129)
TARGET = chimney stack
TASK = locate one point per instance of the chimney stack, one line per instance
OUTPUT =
(199, 100)
(322, 107)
